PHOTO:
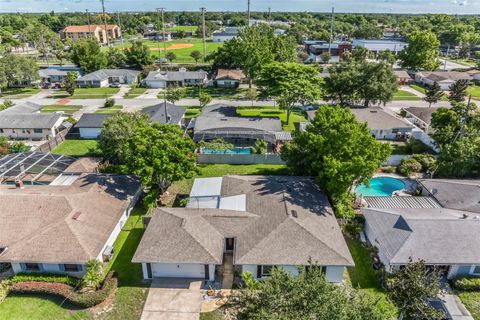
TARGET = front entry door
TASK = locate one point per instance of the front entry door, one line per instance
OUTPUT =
(229, 244)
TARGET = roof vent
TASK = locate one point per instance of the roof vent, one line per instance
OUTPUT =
(76, 215)
(373, 111)
(465, 216)
(294, 213)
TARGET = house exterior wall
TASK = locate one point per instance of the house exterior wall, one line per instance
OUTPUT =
(333, 274)
(92, 84)
(50, 268)
(219, 38)
(90, 133)
(228, 83)
(390, 133)
(29, 134)
(179, 270)
(156, 84)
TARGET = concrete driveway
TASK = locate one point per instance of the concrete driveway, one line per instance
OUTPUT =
(173, 299)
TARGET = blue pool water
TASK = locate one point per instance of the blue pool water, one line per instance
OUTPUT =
(227, 151)
(380, 187)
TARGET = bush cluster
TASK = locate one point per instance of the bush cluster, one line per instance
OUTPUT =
(44, 277)
(67, 292)
(467, 283)
(409, 166)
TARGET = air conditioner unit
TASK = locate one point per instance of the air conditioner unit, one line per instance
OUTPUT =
(107, 254)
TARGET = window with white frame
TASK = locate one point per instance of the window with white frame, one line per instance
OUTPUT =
(476, 270)
(32, 267)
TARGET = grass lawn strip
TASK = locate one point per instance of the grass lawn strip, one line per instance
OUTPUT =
(474, 91)
(405, 95)
(113, 109)
(94, 93)
(471, 300)
(19, 93)
(77, 148)
(67, 109)
(134, 93)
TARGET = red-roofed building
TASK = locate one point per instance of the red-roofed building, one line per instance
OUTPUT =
(92, 31)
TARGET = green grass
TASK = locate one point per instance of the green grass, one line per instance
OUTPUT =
(19, 93)
(94, 93)
(474, 91)
(219, 93)
(464, 62)
(113, 109)
(274, 112)
(401, 95)
(214, 315)
(183, 28)
(60, 94)
(134, 93)
(365, 278)
(183, 55)
(418, 88)
(471, 300)
(67, 109)
(77, 148)
(193, 112)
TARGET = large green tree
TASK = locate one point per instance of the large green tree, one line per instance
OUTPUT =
(116, 58)
(337, 149)
(433, 94)
(422, 51)
(139, 55)
(305, 296)
(174, 93)
(17, 70)
(411, 288)
(88, 55)
(290, 83)
(458, 91)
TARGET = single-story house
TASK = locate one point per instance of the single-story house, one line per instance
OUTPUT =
(90, 124)
(173, 114)
(222, 122)
(403, 77)
(58, 228)
(258, 222)
(377, 46)
(225, 34)
(24, 122)
(229, 78)
(102, 78)
(52, 75)
(182, 78)
(444, 78)
(382, 124)
(421, 117)
(444, 231)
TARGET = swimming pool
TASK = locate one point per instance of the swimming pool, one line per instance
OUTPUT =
(380, 187)
(227, 151)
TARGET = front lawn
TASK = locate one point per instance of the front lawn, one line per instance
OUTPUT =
(113, 109)
(134, 93)
(219, 93)
(274, 112)
(418, 88)
(77, 148)
(19, 93)
(402, 95)
(474, 91)
(364, 278)
(94, 93)
(67, 109)
(471, 300)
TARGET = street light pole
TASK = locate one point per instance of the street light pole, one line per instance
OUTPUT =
(120, 26)
(89, 25)
(105, 21)
(203, 34)
(331, 32)
(248, 13)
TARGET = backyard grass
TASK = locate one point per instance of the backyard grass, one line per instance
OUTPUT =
(67, 109)
(19, 93)
(193, 112)
(183, 54)
(94, 93)
(274, 112)
(366, 279)
(471, 300)
(113, 109)
(401, 95)
(134, 93)
(77, 148)
(474, 91)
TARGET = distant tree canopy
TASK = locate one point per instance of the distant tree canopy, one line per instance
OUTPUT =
(139, 55)
(422, 51)
(17, 70)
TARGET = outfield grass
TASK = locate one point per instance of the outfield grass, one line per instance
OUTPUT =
(77, 148)
(364, 278)
(183, 55)
(134, 93)
(94, 93)
(67, 109)
(274, 112)
(113, 109)
(471, 300)
(401, 95)
(183, 28)
(19, 93)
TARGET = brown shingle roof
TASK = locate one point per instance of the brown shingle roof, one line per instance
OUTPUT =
(63, 224)
(88, 28)
(230, 74)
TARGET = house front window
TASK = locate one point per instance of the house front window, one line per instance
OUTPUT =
(267, 270)
(37, 130)
(476, 270)
(72, 268)
(32, 267)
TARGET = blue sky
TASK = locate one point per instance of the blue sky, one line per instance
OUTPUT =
(389, 6)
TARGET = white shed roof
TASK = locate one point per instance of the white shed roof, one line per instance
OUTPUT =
(205, 187)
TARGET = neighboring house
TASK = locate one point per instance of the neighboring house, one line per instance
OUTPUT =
(443, 231)
(183, 78)
(25, 122)
(97, 32)
(90, 125)
(173, 115)
(444, 78)
(403, 77)
(52, 75)
(229, 78)
(421, 117)
(257, 222)
(222, 122)
(382, 124)
(377, 46)
(102, 78)
(475, 74)
(58, 228)
(225, 34)
(158, 36)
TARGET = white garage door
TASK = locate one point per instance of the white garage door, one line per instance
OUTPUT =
(167, 270)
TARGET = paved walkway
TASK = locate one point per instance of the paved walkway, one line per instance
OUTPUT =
(123, 90)
(173, 299)
(455, 307)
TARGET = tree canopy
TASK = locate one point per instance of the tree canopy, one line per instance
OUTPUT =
(458, 91)
(88, 55)
(422, 51)
(433, 94)
(17, 69)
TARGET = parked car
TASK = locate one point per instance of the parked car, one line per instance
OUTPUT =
(115, 85)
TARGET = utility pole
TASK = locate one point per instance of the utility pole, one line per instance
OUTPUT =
(157, 33)
(331, 32)
(105, 21)
(248, 13)
(269, 15)
(162, 10)
(89, 25)
(120, 26)
(203, 34)
(446, 56)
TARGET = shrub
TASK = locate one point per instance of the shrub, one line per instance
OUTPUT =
(409, 166)
(416, 146)
(260, 147)
(18, 147)
(467, 283)
(44, 277)
(427, 161)
(389, 169)
(109, 103)
(93, 277)
(344, 207)
(216, 144)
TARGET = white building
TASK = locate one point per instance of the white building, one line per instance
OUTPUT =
(444, 78)
(225, 34)
(182, 78)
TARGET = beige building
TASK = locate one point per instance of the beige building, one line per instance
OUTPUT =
(92, 31)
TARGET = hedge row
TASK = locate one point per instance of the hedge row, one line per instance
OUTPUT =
(81, 299)
(44, 277)
(467, 283)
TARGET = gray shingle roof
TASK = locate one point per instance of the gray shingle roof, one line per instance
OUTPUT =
(445, 75)
(22, 108)
(106, 73)
(92, 120)
(379, 119)
(63, 224)
(266, 233)
(176, 75)
(438, 236)
(424, 114)
(29, 121)
(157, 113)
